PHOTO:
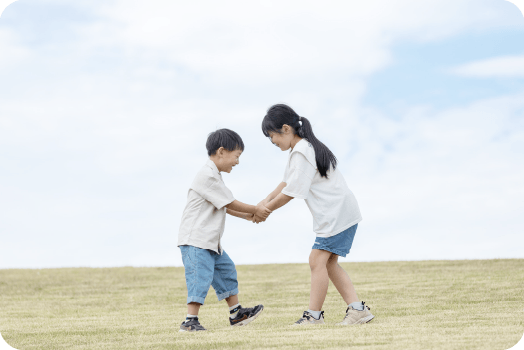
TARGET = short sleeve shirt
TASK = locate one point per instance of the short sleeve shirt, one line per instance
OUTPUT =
(204, 216)
(331, 202)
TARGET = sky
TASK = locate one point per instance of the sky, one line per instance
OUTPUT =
(105, 108)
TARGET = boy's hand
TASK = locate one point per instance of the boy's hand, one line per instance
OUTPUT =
(258, 219)
(249, 217)
(262, 211)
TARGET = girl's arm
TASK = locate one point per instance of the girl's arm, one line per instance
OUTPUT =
(279, 201)
(239, 214)
(273, 194)
(259, 210)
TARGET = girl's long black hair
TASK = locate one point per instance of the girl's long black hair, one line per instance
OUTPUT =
(280, 114)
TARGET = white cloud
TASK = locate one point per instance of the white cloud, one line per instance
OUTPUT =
(12, 53)
(449, 182)
(498, 67)
(101, 138)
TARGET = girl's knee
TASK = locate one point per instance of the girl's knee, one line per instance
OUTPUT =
(332, 265)
(333, 260)
(318, 259)
(332, 268)
(315, 264)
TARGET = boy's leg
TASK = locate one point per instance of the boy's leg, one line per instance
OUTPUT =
(225, 280)
(199, 268)
(193, 308)
(341, 280)
(225, 284)
(232, 300)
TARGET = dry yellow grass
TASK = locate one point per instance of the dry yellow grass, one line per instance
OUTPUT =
(475, 304)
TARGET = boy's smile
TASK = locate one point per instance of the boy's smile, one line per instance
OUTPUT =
(225, 160)
(231, 159)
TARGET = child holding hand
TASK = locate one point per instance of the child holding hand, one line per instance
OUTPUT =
(201, 229)
(311, 174)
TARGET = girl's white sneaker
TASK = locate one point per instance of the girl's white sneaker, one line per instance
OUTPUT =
(307, 318)
(356, 316)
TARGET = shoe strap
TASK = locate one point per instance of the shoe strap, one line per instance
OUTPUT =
(308, 316)
(235, 309)
(363, 304)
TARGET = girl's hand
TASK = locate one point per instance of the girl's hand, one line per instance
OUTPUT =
(262, 211)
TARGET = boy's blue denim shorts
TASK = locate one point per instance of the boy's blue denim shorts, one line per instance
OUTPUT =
(339, 244)
(206, 268)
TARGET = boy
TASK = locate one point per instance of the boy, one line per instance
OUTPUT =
(201, 229)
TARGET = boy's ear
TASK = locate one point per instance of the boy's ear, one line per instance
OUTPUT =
(220, 151)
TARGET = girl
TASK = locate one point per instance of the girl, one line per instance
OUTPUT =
(311, 174)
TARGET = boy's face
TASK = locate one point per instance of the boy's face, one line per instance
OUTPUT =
(229, 159)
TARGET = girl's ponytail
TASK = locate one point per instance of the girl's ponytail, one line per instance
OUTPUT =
(281, 114)
(323, 155)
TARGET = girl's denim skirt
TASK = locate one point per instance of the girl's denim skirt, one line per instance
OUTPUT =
(339, 244)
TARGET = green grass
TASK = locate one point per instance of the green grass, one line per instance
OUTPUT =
(476, 304)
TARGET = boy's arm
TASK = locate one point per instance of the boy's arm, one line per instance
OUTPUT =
(273, 194)
(259, 210)
(239, 214)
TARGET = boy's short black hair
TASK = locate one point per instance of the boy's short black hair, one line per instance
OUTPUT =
(226, 138)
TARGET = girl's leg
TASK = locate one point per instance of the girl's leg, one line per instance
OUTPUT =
(341, 280)
(319, 278)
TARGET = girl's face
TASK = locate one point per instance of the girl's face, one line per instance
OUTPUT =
(284, 139)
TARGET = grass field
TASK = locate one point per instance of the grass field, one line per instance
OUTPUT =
(418, 305)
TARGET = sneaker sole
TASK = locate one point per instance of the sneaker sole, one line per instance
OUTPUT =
(307, 324)
(190, 331)
(361, 321)
(243, 323)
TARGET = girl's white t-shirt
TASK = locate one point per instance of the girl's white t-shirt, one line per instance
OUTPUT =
(331, 202)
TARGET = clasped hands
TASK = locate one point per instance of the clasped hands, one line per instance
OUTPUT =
(261, 213)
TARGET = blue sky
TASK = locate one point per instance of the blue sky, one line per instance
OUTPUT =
(419, 72)
(105, 108)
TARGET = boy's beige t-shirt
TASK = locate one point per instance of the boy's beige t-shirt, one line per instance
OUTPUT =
(204, 216)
